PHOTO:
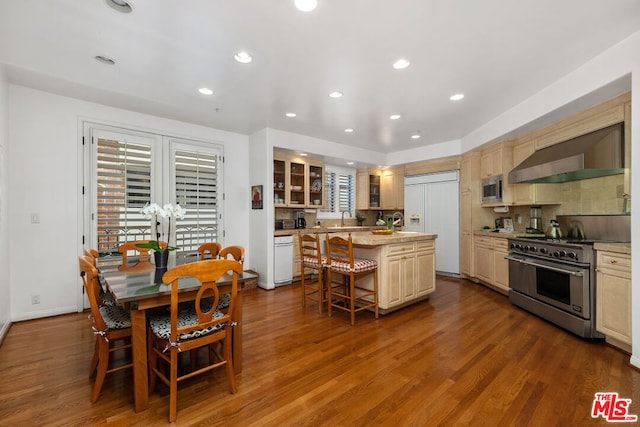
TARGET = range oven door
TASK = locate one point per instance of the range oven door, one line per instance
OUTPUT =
(560, 285)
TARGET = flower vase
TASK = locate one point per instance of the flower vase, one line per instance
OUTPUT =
(162, 259)
(157, 278)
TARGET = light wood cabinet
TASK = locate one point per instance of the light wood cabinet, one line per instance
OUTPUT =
(613, 295)
(368, 189)
(316, 185)
(497, 160)
(469, 203)
(406, 271)
(392, 189)
(296, 269)
(491, 267)
(297, 182)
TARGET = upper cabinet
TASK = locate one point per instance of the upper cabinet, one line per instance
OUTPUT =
(297, 182)
(392, 189)
(280, 181)
(316, 185)
(496, 160)
(377, 189)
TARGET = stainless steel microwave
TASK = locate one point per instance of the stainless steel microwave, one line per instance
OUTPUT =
(492, 189)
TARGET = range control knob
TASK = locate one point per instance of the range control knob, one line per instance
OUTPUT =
(526, 248)
(512, 246)
(543, 251)
(556, 254)
(572, 255)
(533, 249)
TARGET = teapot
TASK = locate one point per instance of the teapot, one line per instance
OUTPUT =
(554, 232)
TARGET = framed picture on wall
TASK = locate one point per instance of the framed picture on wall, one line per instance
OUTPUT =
(256, 197)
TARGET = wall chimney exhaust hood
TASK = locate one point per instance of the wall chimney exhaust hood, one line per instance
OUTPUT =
(599, 153)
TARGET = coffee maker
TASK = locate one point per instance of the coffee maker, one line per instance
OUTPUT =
(300, 221)
(535, 221)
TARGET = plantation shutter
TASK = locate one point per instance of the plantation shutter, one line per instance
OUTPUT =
(123, 187)
(340, 187)
(198, 190)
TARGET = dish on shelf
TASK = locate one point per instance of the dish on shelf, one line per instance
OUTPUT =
(296, 187)
(316, 186)
(382, 231)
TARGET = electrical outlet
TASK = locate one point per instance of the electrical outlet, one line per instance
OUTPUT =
(35, 299)
(35, 218)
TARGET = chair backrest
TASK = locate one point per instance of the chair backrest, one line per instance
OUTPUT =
(207, 273)
(310, 247)
(338, 247)
(89, 276)
(132, 246)
(91, 253)
(237, 252)
(212, 247)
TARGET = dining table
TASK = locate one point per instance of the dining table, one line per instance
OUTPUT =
(137, 285)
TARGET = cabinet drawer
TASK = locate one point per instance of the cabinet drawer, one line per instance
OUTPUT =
(426, 245)
(501, 244)
(400, 249)
(483, 241)
(613, 261)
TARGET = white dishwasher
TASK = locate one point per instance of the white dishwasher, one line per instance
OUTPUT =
(282, 260)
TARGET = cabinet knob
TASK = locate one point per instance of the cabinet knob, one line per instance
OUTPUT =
(613, 261)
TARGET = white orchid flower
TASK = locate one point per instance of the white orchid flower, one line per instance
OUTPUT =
(179, 212)
(150, 210)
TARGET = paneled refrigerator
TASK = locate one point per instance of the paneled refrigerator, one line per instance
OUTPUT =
(431, 205)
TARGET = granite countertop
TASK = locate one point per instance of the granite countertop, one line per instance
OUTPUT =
(490, 233)
(366, 238)
(311, 230)
(621, 248)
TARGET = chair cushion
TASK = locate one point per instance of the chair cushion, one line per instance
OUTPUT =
(360, 265)
(312, 262)
(161, 325)
(107, 298)
(115, 317)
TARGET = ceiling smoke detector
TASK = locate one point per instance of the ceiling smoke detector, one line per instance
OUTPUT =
(121, 6)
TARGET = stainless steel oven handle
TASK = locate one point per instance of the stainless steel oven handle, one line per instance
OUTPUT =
(546, 267)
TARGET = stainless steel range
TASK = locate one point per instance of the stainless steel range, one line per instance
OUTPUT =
(555, 279)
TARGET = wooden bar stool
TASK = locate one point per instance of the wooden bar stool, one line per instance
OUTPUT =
(311, 258)
(349, 296)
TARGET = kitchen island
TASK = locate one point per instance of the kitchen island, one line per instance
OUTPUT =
(406, 266)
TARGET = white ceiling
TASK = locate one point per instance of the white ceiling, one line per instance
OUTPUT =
(496, 52)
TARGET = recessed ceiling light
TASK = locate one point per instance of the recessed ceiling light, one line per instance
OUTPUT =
(205, 91)
(394, 116)
(290, 114)
(401, 64)
(457, 97)
(243, 57)
(105, 60)
(415, 135)
(348, 130)
(350, 163)
(303, 154)
(306, 5)
(335, 94)
(120, 5)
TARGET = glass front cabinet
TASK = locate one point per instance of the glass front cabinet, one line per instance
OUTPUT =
(297, 183)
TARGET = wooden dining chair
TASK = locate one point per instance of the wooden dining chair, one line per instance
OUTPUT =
(236, 252)
(105, 297)
(212, 247)
(311, 258)
(348, 295)
(111, 326)
(143, 253)
(187, 329)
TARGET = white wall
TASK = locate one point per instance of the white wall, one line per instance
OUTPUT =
(46, 178)
(261, 220)
(5, 308)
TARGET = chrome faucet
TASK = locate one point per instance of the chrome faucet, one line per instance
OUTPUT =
(398, 222)
(342, 218)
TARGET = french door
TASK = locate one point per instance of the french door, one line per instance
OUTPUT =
(125, 170)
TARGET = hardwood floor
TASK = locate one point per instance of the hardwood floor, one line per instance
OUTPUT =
(464, 357)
